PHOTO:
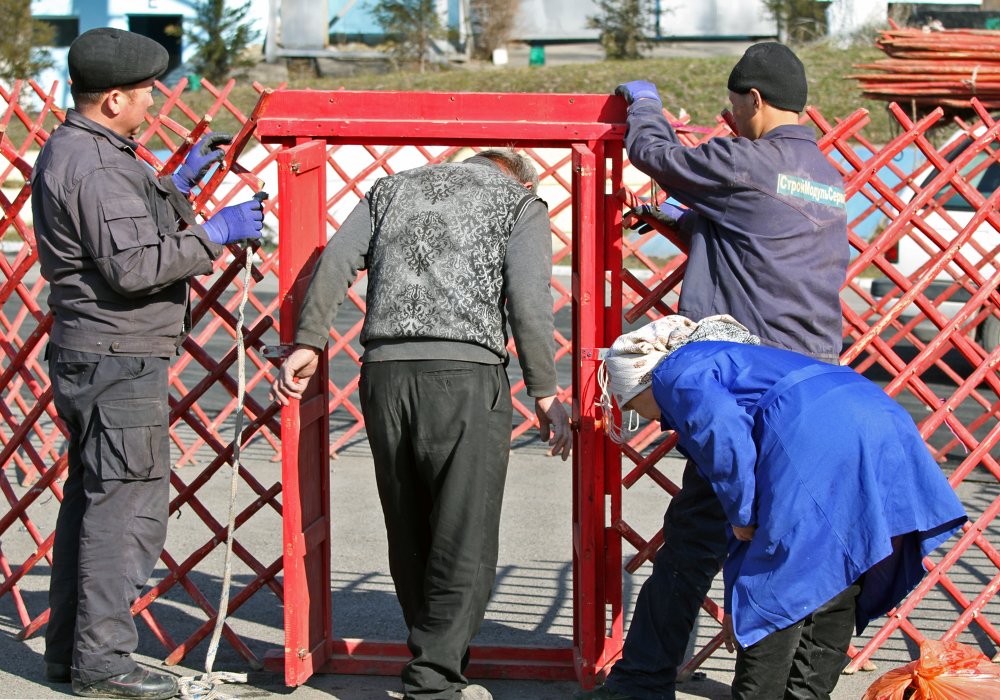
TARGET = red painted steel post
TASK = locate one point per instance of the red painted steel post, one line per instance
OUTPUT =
(304, 424)
(611, 275)
(589, 561)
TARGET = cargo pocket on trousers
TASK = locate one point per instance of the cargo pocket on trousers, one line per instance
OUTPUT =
(129, 440)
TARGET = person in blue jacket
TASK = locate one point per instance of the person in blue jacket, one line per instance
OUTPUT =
(765, 228)
(824, 480)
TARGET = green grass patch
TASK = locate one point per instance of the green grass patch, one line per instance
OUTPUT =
(697, 85)
(871, 272)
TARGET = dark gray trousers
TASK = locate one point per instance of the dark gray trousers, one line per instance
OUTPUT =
(806, 657)
(694, 548)
(440, 437)
(112, 522)
(803, 661)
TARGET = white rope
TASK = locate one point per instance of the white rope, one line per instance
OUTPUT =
(619, 434)
(971, 82)
(205, 687)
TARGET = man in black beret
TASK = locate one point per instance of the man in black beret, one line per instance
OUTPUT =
(765, 227)
(117, 244)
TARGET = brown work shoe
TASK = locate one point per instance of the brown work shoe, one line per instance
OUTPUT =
(140, 684)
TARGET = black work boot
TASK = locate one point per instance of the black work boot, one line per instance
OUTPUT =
(141, 684)
(56, 672)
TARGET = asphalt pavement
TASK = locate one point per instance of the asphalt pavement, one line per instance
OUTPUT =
(531, 604)
(590, 51)
(533, 596)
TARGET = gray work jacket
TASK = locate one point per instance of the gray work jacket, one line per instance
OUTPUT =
(111, 246)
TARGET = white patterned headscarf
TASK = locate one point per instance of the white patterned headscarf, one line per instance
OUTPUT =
(628, 367)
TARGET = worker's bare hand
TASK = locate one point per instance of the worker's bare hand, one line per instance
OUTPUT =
(728, 636)
(744, 534)
(553, 425)
(294, 375)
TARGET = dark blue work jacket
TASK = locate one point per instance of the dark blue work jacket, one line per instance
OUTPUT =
(831, 470)
(767, 231)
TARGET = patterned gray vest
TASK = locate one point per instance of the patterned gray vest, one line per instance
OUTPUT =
(435, 263)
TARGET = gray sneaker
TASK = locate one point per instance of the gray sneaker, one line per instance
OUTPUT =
(476, 692)
(600, 693)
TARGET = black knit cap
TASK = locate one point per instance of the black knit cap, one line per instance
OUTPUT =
(105, 58)
(775, 71)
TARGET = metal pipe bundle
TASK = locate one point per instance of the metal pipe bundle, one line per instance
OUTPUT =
(945, 68)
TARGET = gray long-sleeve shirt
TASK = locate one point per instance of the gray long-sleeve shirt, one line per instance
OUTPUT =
(526, 276)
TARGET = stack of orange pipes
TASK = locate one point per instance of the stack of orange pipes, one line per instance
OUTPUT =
(945, 68)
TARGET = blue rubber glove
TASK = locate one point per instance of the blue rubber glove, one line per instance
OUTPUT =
(638, 90)
(202, 156)
(666, 213)
(237, 222)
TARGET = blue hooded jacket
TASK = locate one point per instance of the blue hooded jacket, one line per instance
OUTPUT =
(831, 470)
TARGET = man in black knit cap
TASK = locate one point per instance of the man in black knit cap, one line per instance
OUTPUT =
(766, 233)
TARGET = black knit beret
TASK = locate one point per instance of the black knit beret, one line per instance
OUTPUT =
(105, 58)
(776, 72)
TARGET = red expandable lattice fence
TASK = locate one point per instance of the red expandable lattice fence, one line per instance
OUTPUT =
(926, 326)
(201, 379)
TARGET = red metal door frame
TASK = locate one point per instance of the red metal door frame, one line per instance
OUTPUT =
(592, 127)
(305, 441)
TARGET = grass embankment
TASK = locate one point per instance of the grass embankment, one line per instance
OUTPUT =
(695, 84)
